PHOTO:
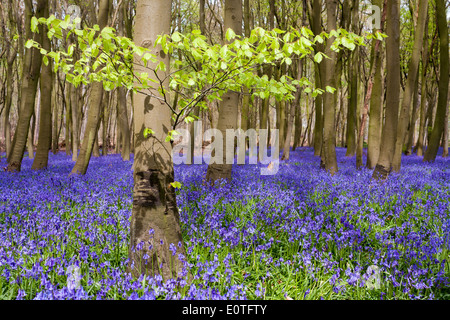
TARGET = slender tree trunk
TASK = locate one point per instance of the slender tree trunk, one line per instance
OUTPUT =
(246, 99)
(316, 23)
(353, 72)
(68, 127)
(122, 104)
(412, 124)
(123, 120)
(228, 111)
(376, 98)
(410, 85)
(95, 103)
(196, 110)
(298, 126)
(294, 105)
(55, 133)
(105, 126)
(438, 128)
(74, 109)
(418, 148)
(328, 153)
(387, 147)
(45, 123)
(445, 138)
(30, 140)
(155, 222)
(30, 76)
(96, 148)
(8, 100)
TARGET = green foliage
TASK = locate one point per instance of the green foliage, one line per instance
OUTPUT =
(106, 57)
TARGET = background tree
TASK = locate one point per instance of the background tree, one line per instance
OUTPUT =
(442, 105)
(31, 68)
(389, 133)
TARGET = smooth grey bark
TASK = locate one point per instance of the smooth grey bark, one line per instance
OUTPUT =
(228, 110)
(155, 222)
(122, 113)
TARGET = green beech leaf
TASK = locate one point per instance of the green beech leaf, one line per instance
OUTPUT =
(34, 24)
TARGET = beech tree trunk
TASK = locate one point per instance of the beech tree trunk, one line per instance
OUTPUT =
(439, 123)
(55, 112)
(95, 103)
(316, 23)
(328, 153)
(294, 105)
(74, 109)
(228, 110)
(389, 134)
(8, 99)
(122, 104)
(410, 85)
(376, 97)
(353, 72)
(412, 125)
(30, 77)
(155, 219)
(45, 122)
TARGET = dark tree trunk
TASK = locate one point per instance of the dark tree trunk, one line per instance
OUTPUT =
(388, 137)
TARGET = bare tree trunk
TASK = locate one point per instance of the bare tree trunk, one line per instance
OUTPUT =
(418, 148)
(353, 73)
(228, 111)
(45, 123)
(294, 105)
(445, 138)
(74, 109)
(387, 147)
(155, 222)
(328, 153)
(32, 64)
(374, 96)
(55, 112)
(95, 103)
(438, 128)
(68, 124)
(8, 99)
(105, 126)
(412, 124)
(122, 105)
(316, 23)
(410, 85)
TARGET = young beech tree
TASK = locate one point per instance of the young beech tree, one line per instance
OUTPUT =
(155, 229)
(229, 106)
(28, 87)
(387, 146)
(155, 221)
(442, 105)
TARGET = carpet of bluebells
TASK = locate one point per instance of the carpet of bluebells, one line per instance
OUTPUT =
(299, 234)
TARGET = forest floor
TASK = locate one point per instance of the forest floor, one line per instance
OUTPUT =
(298, 234)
